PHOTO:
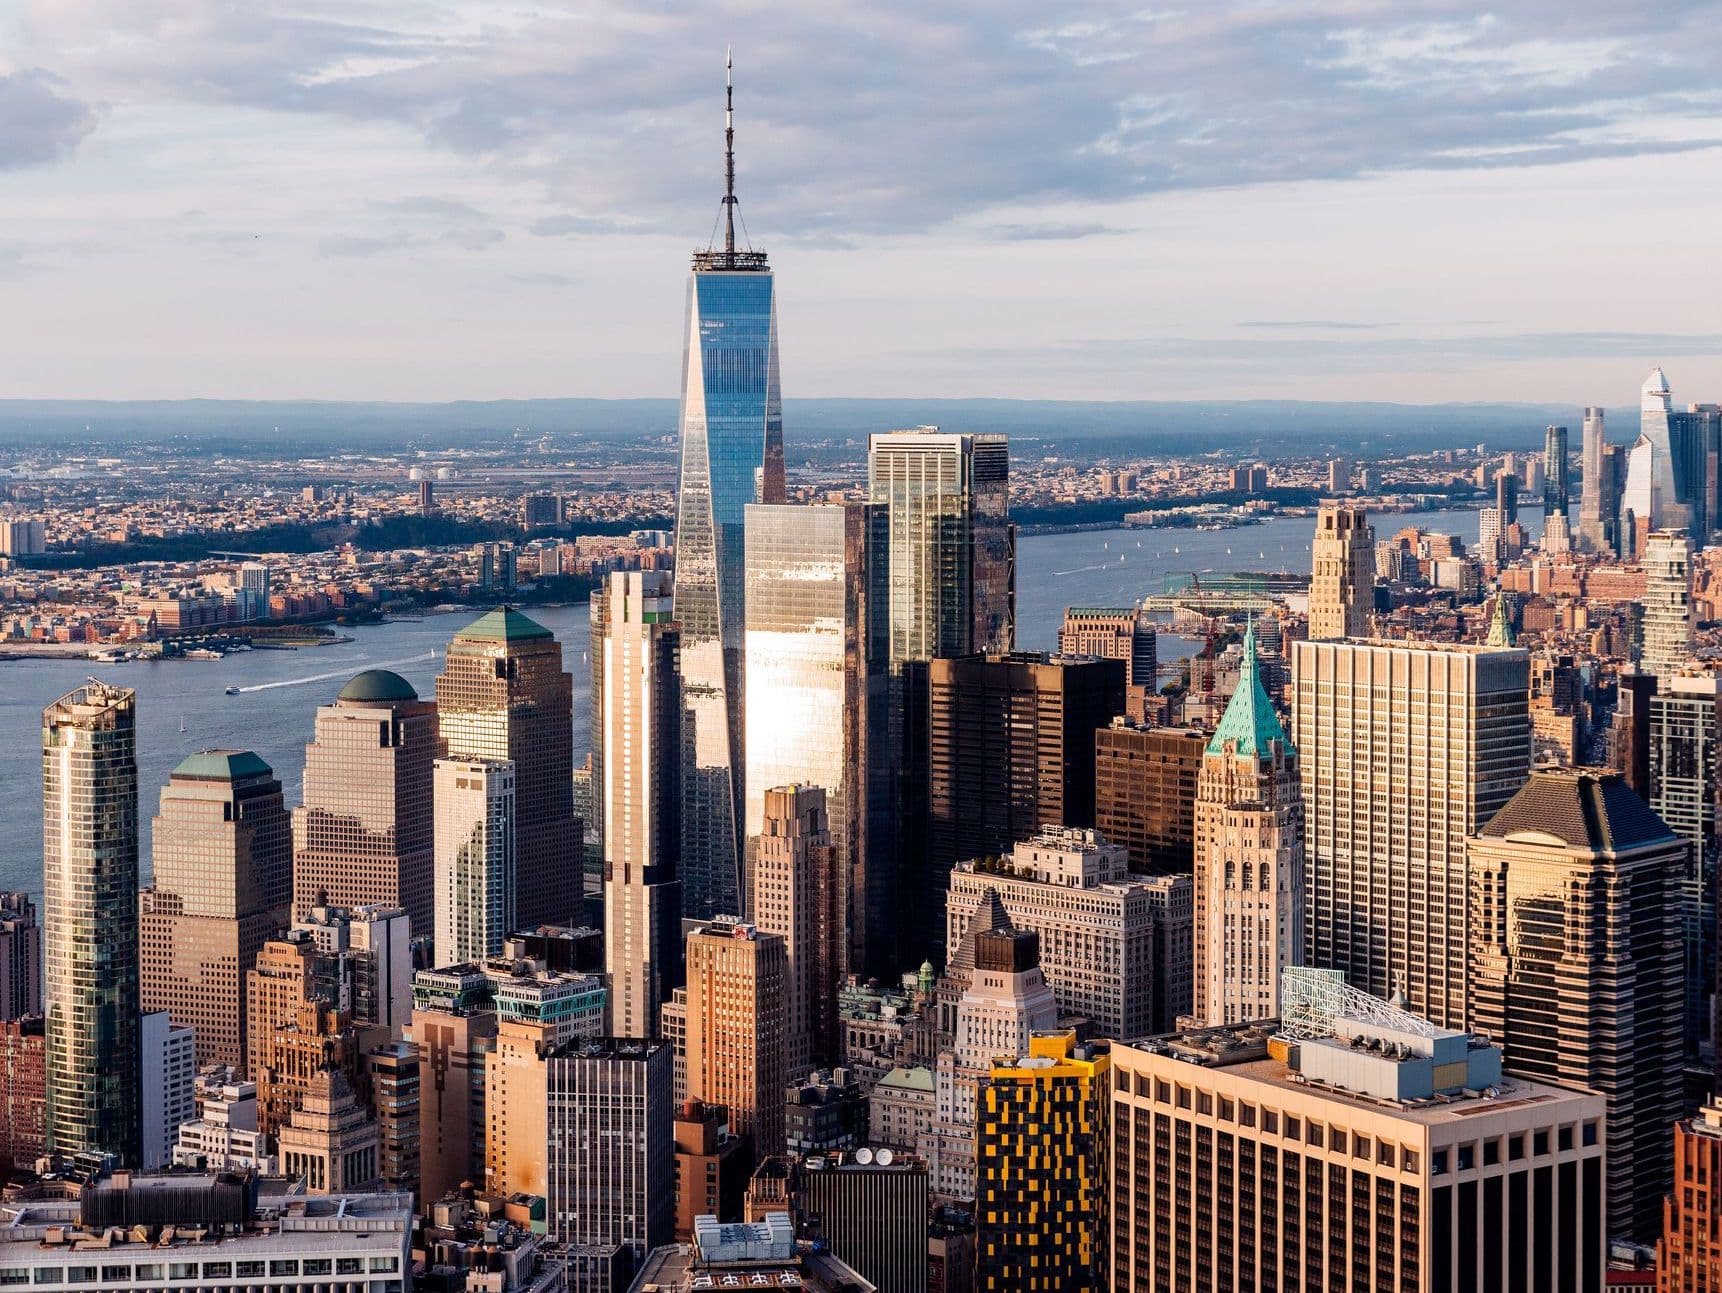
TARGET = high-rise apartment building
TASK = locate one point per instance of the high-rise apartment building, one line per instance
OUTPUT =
(1011, 750)
(587, 1124)
(1667, 558)
(799, 891)
(454, 1029)
(816, 698)
(167, 1063)
(475, 846)
(223, 881)
(1576, 951)
(1117, 633)
(731, 455)
(1249, 894)
(1338, 476)
(735, 1029)
(90, 891)
(20, 957)
(1596, 504)
(1094, 919)
(1145, 792)
(393, 1073)
(637, 646)
(503, 694)
(1689, 1253)
(1342, 587)
(1040, 1229)
(1359, 1148)
(1405, 750)
(1556, 485)
(365, 831)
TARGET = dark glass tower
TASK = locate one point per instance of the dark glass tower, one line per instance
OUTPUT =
(732, 455)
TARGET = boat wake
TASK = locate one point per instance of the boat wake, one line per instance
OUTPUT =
(336, 673)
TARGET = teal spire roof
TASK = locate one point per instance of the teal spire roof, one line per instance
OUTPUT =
(504, 624)
(1500, 628)
(1249, 721)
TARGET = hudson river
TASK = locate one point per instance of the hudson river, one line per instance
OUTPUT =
(280, 690)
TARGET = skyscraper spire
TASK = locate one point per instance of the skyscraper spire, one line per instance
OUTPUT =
(729, 151)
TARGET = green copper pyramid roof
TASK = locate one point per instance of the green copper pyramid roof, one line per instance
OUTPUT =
(1249, 720)
(504, 624)
(222, 765)
(1500, 627)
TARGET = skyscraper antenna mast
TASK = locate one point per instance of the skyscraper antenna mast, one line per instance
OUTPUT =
(729, 152)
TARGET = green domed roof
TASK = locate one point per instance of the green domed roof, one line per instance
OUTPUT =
(222, 765)
(378, 686)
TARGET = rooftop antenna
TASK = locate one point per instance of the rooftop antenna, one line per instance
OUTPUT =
(729, 150)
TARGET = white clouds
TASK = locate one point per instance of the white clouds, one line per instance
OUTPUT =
(39, 121)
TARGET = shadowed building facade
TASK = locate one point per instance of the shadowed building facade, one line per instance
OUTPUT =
(223, 879)
(503, 694)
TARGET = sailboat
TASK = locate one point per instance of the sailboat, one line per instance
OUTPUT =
(182, 722)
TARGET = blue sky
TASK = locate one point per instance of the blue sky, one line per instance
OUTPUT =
(1407, 200)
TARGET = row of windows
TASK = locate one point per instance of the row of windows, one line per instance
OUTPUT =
(144, 1272)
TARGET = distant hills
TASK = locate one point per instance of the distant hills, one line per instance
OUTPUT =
(1273, 427)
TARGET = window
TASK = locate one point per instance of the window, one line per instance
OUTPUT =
(385, 1263)
(349, 1266)
(1566, 1138)
(1270, 1122)
(1540, 1142)
(151, 1271)
(1491, 1152)
(1515, 1146)
(1408, 1161)
(316, 1266)
(50, 1275)
(1467, 1156)
(1438, 1163)
(1183, 1097)
(1204, 1102)
(282, 1267)
(1360, 1146)
(1226, 1110)
(116, 1274)
(182, 1270)
(217, 1270)
(250, 1270)
(1384, 1154)
(80, 1274)
(1294, 1128)
(1314, 1135)
(1162, 1092)
(1590, 1132)
(1247, 1114)
(15, 1275)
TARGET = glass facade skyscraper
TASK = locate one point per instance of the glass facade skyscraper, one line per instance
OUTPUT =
(90, 888)
(731, 455)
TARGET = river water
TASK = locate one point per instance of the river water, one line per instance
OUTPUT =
(280, 690)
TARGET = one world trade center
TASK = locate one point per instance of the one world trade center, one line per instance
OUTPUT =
(731, 455)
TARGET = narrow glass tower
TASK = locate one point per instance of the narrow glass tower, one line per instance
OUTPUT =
(732, 455)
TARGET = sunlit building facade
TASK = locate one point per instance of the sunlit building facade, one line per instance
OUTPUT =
(90, 891)
(475, 858)
(1667, 558)
(1342, 585)
(503, 694)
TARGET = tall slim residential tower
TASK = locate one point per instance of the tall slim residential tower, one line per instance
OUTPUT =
(90, 888)
(1576, 964)
(1667, 560)
(1596, 505)
(475, 858)
(1555, 480)
(503, 694)
(365, 831)
(1342, 588)
(641, 743)
(1249, 858)
(731, 455)
(1405, 751)
(799, 894)
(223, 882)
(816, 697)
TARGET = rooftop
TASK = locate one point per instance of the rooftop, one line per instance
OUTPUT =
(1250, 725)
(222, 765)
(378, 687)
(504, 624)
(1585, 808)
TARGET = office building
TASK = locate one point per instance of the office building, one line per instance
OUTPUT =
(1667, 558)
(1172, 908)
(710, 1167)
(503, 694)
(1011, 750)
(1576, 964)
(20, 958)
(1685, 746)
(736, 1028)
(1405, 750)
(1596, 503)
(1248, 888)
(731, 455)
(454, 1029)
(1094, 919)
(1041, 1229)
(588, 1125)
(871, 1210)
(475, 844)
(1145, 793)
(816, 700)
(637, 645)
(1689, 1252)
(168, 1063)
(1338, 476)
(1342, 588)
(330, 1140)
(392, 1071)
(362, 963)
(225, 1231)
(798, 894)
(747, 1254)
(1555, 480)
(1659, 489)
(1117, 633)
(1356, 1146)
(365, 831)
(224, 1136)
(90, 892)
(23, 1092)
(223, 881)
(293, 1053)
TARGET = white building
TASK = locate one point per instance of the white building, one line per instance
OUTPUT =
(475, 859)
(1095, 921)
(169, 1062)
(1667, 560)
(226, 1138)
(376, 938)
